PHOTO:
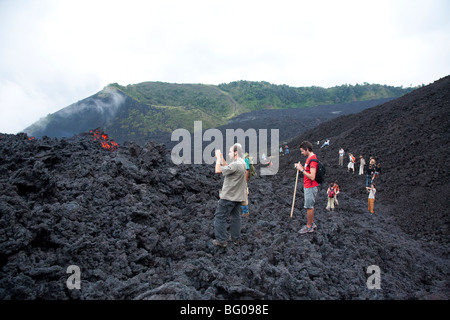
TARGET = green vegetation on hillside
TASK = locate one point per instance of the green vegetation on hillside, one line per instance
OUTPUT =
(259, 95)
(179, 105)
(139, 111)
(194, 97)
(160, 119)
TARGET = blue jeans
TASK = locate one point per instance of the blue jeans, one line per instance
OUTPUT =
(225, 209)
(368, 181)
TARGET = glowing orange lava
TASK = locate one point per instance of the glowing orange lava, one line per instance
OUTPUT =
(104, 141)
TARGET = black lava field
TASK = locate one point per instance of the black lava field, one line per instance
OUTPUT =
(140, 227)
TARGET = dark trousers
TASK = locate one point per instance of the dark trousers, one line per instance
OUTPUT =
(368, 181)
(224, 210)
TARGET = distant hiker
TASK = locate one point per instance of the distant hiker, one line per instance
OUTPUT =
(281, 151)
(341, 156)
(245, 212)
(326, 143)
(310, 185)
(362, 163)
(371, 199)
(286, 149)
(336, 188)
(231, 196)
(331, 192)
(369, 174)
(377, 171)
(351, 163)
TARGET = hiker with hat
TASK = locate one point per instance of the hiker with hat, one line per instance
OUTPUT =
(232, 195)
(362, 163)
(310, 185)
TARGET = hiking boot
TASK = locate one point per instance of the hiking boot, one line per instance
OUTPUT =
(305, 229)
(246, 214)
(314, 226)
(219, 244)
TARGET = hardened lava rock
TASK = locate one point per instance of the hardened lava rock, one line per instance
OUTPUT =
(140, 227)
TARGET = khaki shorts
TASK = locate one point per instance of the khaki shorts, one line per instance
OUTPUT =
(310, 197)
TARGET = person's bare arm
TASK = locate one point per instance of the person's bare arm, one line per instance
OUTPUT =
(220, 161)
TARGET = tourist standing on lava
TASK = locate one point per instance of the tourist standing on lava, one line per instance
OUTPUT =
(310, 185)
(231, 196)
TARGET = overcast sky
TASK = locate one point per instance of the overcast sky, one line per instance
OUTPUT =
(55, 53)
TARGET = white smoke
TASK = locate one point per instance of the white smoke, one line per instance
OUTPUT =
(107, 102)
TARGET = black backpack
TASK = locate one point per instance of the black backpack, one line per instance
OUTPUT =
(321, 171)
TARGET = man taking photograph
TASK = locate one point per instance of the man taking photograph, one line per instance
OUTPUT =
(231, 196)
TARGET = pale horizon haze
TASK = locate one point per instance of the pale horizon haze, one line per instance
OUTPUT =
(55, 53)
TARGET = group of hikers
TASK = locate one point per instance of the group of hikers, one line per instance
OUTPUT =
(234, 192)
(373, 172)
(286, 150)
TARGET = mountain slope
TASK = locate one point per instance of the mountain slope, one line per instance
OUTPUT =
(144, 111)
(410, 138)
(140, 227)
(92, 112)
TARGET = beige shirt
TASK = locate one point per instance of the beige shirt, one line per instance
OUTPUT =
(234, 186)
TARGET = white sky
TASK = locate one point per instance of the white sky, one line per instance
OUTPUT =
(55, 53)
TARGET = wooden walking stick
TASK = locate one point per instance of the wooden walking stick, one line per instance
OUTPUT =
(295, 191)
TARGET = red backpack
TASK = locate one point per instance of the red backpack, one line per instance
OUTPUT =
(331, 193)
